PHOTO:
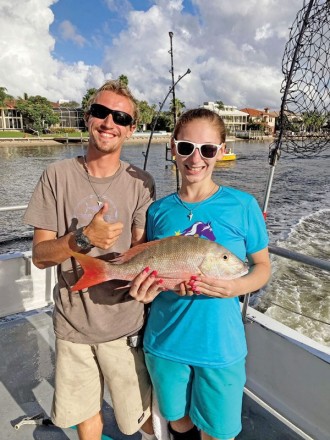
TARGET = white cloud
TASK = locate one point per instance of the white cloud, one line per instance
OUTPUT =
(69, 33)
(233, 48)
(264, 32)
(27, 63)
(121, 7)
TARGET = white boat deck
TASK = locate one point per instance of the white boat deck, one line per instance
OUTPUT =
(27, 378)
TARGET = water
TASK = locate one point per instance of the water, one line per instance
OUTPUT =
(298, 217)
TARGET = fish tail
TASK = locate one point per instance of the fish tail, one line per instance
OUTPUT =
(95, 271)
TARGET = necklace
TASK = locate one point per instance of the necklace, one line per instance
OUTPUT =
(190, 215)
(100, 197)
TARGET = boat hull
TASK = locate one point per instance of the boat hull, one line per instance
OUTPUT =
(228, 156)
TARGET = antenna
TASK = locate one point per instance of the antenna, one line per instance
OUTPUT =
(161, 104)
(172, 73)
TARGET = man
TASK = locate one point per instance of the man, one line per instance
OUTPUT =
(95, 204)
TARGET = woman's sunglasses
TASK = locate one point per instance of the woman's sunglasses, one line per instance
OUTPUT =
(101, 112)
(187, 148)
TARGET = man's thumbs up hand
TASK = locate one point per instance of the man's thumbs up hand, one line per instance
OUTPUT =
(101, 233)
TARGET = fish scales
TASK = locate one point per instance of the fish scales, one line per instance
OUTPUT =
(176, 259)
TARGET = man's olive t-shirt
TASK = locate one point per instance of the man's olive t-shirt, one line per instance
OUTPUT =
(65, 200)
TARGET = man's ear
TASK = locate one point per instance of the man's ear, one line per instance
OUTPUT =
(132, 128)
(86, 117)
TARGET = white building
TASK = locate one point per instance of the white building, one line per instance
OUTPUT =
(234, 119)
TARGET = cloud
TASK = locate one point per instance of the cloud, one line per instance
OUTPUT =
(27, 63)
(233, 48)
(121, 7)
(69, 33)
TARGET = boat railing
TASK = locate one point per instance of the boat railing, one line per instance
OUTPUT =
(13, 208)
(293, 256)
(275, 250)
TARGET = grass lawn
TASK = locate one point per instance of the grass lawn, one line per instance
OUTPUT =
(12, 134)
(19, 134)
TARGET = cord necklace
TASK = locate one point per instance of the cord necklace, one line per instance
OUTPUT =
(100, 197)
(190, 215)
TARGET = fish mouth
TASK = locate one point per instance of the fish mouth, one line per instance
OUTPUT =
(245, 271)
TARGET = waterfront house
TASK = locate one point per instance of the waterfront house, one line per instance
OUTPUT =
(263, 118)
(234, 119)
(10, 117)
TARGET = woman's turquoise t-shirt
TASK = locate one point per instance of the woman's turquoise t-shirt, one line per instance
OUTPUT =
(200, 330)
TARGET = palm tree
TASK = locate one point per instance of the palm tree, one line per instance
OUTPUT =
(123, 80)
(179, 106)
(3, 96)
(219, 105)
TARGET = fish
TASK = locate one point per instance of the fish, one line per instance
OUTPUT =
(176, 260)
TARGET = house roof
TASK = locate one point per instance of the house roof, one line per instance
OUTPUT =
(253, 112)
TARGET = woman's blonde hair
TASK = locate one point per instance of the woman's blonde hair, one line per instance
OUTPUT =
(201, 113)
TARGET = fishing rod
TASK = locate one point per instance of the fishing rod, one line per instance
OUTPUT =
(171, 90)
(146, 154)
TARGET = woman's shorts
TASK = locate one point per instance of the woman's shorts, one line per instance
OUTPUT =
(82, 369)
(212, 397)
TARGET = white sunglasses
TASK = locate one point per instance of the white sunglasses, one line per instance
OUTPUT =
(187, 148)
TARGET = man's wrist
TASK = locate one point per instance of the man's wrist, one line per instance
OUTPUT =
(81, 240)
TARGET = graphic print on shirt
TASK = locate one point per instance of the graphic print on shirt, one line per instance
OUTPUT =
(200, 229)
(88, 207)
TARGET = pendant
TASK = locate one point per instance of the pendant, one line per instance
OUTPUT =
(190, 215)
(99, 202)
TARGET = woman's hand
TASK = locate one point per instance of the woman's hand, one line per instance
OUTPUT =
(212, 287)
(257, 277)
(145, 287)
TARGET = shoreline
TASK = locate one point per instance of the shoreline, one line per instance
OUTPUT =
(31, 142)
(137, 139)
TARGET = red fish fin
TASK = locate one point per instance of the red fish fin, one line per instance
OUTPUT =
(95, 271)
(133, 251)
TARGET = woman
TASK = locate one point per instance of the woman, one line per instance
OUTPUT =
(195, 344)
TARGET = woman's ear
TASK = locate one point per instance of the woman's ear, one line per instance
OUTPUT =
(221, 151)
(172, 147)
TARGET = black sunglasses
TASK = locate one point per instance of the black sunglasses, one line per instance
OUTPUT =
(101, 112)
(186, 148)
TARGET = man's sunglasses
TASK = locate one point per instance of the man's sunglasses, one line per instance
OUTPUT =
(187, 148)
(101, 112)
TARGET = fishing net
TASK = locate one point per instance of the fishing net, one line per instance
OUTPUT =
(304, 120)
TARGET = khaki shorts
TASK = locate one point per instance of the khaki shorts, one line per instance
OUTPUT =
(82, 369)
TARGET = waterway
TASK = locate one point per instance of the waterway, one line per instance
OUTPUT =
(298, 216)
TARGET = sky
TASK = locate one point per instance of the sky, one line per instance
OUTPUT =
(61, 48)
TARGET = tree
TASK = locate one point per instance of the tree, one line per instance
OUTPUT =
(86, 98)
(313, 121)
(164, 121)
(70, 104)
(219, 105)
(146, 112)
(37, 112)
(179, 106)
(3, 96)
(123, 80)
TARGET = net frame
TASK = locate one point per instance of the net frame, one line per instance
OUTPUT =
(304, 119)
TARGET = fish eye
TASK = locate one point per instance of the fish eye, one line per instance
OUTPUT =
(225, 257)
